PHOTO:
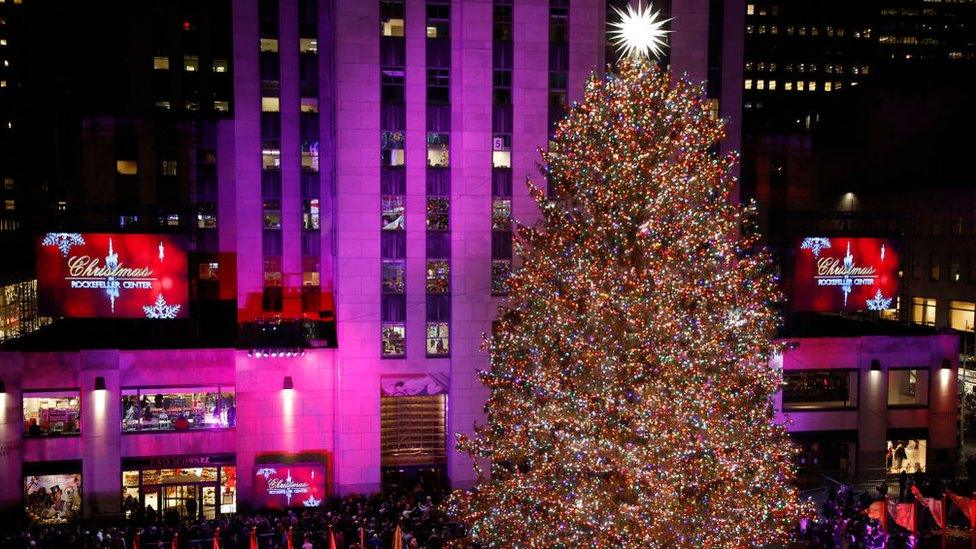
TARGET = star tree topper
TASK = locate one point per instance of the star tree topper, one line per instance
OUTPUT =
(639, 33)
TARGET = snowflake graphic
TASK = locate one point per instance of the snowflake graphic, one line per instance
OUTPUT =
(63, 241)
(879, 302)
(160, 309)
(311, 501)
(815, 244)
(266, 472)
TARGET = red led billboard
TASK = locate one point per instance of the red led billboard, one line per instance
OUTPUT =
(95, 275)
(845, 274)
(279, 485)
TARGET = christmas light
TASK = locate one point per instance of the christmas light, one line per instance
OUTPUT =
(630, 385)
(639, 33)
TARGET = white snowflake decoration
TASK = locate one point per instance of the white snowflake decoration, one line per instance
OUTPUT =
(639, 33)
(160, 309)
(879, 302)
(815, 244)
(63, 241)
(312, 502)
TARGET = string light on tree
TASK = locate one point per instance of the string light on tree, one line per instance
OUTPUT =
(630, 386)
(640, 32)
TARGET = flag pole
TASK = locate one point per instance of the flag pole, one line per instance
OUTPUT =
(945, 515)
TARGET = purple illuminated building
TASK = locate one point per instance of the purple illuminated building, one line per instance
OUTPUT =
(367, 182)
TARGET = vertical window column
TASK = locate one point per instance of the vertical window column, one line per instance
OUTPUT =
(438, 203)
(501, 144)
(393, 241)
(309, 139)
(270, 74)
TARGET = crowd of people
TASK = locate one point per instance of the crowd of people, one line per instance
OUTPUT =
(355, 522)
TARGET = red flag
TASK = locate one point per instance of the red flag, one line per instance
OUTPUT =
(176, 541)
(904, 515)
(362, 538)
(966, 504)
(933, 505)
(136, 542)
(289, 540)
(217, 538)
(876, 510)
(332, 543)
(254, 538)
(398, 538)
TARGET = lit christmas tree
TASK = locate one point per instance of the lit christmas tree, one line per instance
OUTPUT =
(630, 387)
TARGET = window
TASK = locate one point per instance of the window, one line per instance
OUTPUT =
(961, 315)
(161, 63)
(310, 214)
(957, 225)
(221, 106)
(220, 65)
(438, 150)
(309, 104)
(906, 455)
(51, 413)
(819, 389)
(954, 268)
(501, 214)
(392, 276)
(392, 149)
(52, 499)
(272, 271)
(438, 213)
(392, 212)
(168, 167)
(908, 387)
(918, 267)
(438, 340)
(179, 409)
(271, 159)
(9, 204)
(391, 19)
(501, 151)
(412, 428)
(827, 86)
(8, 183)
(923, 311)
(271, 212)
(310, 271)
(270, 104)
(748, 83)
(191, 63)
(269, 45)
(438, 85)
(209, 270)
(393, 336)
(308, 45)
(935, 267)
(310, 155)
(392, 84)
(500, 271)
(127, 167)
(438, 276)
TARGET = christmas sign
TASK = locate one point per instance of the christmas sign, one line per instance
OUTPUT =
(845, 274)
(280, 486)
(89, 275)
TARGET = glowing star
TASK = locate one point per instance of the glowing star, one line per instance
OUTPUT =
(879, 302)
(639, 33)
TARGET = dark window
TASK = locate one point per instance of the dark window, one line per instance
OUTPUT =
(439, 308)
(392, 83)
(393, 244)
(438, 85)
(813, 389)
(438, 245)
(394, 307)
(502, 23)
(501, 245)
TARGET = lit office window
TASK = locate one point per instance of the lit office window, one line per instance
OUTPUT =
(308, 45)
(438, 342)
(271, 159)
(191, 63)
(391, 18)
(438, 276)
(269, 45)
(923, 311)
(961, 315)
(438, 150)
(221, 106)
(393, 339)
(270, 104)
(392, 149)
(501, 153)
(309, 104)
(501, 214)
(908, 387)
(271, 214)
(310, 214)
(392, 212)
(748, 83)
(220, 65)
(161, 63)
(126, 167)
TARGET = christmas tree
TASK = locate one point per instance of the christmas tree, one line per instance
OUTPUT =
(630, 389)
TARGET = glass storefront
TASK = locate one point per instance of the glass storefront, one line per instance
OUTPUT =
(906, 455)
(174, 409)
(191, 492)
(51, 413)
(52, 498)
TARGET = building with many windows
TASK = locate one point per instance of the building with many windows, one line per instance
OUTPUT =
(363, 187)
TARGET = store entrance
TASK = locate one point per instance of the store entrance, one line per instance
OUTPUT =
(184, 492)
(183, 499)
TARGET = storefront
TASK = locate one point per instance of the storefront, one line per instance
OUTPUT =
(52, 491)
(906, 451)
(192, 486)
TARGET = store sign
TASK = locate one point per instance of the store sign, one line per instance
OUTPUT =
(845, 274)
(89, 275)
(279, 485)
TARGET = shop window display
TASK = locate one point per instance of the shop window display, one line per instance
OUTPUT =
(178, 409)
(192, 492)
(52, 499)
(819, 389)
(51, 413)
(906, 455)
